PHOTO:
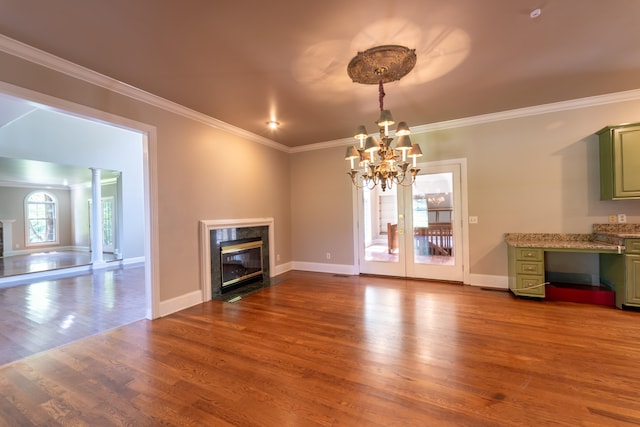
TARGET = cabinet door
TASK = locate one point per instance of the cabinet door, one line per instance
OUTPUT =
(627, 161)
(620, 162)
(632, 282)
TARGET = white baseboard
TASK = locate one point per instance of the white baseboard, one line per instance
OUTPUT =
(324, 268)
(133, 261)
(282, 268)
(23, 279)
(180, 303)
(488, 281)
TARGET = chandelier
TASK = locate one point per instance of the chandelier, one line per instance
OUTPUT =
(380, 163)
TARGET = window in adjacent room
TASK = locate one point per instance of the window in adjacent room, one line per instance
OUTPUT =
(41, 218)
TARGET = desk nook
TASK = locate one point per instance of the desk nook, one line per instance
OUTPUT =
(618, 256)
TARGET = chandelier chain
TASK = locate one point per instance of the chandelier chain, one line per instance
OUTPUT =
(381, 95)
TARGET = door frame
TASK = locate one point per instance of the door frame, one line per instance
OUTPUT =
(464, 215)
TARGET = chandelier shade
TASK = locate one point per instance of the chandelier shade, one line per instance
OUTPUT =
(371, 145)
(380, 65)
(386, 119)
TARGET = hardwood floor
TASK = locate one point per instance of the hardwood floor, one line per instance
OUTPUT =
(324, 350)
(15, 265)
(45, 314)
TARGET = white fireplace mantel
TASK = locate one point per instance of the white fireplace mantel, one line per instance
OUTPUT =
(205, 250)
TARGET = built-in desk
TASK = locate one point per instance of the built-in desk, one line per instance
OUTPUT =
(526, 257)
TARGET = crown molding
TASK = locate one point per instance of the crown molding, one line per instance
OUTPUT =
(20, 184)
(39, 57)
(592, 101)
(45, 59)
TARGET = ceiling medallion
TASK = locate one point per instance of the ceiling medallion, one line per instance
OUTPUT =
(381, 63)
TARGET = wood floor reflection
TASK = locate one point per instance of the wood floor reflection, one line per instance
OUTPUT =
(39, 316)
(45, 261)
(327, 350)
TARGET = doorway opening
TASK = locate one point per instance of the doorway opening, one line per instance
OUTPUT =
(141, 136)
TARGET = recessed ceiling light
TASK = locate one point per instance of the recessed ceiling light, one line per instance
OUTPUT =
(535, 13)
(273, 124)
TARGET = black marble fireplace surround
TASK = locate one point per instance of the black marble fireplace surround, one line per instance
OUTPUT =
(218, 238)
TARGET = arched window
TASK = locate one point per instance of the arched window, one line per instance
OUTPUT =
(41, 218)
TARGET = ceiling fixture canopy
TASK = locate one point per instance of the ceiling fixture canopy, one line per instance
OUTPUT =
(380, 65)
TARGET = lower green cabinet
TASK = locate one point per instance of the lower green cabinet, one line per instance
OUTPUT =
(526, 271)
(622, 273)
(632, 280)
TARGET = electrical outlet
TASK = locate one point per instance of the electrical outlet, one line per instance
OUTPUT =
(328, 255)
(613, 219)
(278, 257)
(622, 218)
(473, 220)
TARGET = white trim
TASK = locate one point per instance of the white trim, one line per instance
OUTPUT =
(592, 101)
(133, 261)
(180, 303)
(21, 279)
(488, 281)
(325, 268)
(283, 268)
(16, 184)
(45, 59)
(205, 246)
(464, 189)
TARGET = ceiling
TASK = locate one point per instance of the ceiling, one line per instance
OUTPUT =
(246, 62)
(23, 172)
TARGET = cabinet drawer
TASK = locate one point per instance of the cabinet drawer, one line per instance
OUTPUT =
(529, 254)
(529, 285)
(632, 246)
(529, 267)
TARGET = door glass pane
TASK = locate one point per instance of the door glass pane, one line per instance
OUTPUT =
(380, 224)
(433, 215)
(107, 222)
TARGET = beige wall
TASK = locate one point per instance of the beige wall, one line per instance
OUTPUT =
(321, 209)
(202, 172)
(530, 174)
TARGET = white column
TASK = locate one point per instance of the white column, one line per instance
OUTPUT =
(96, 218)
(7, 236)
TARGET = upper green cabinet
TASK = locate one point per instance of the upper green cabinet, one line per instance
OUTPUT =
(620, 162)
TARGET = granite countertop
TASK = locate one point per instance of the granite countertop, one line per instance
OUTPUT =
(559, 241)
(607, 237)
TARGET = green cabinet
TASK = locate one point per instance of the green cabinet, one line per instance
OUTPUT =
(632, 280)
(526, 271)
(622, 272)
(620, 162)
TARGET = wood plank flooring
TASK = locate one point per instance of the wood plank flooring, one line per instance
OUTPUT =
(45, 314)
(15, 265)
(324, 350)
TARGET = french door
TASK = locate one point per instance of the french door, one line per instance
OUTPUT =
(414, 231)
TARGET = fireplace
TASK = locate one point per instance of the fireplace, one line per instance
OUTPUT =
(241, 262)
(236, 257)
